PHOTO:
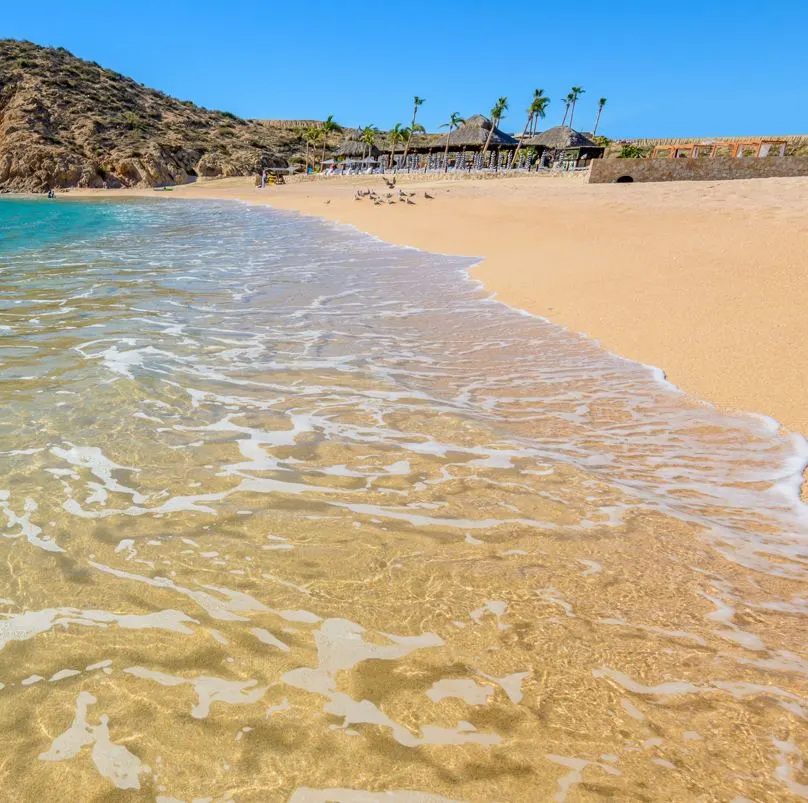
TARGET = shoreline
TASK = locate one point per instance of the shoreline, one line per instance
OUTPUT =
(707, 357)
(764, 382)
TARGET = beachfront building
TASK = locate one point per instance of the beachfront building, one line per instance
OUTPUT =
(563, 148)
(466, 144)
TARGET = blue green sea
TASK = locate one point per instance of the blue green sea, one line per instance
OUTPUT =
(37, 223)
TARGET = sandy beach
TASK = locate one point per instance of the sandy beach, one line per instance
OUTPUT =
(704, 280)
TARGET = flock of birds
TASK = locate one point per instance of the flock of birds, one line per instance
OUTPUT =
(391, 197)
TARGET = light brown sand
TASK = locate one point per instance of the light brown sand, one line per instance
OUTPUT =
(708, 281)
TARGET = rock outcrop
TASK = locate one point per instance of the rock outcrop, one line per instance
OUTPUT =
(65, 122)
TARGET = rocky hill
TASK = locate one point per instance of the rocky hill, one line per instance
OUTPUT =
(65, 122)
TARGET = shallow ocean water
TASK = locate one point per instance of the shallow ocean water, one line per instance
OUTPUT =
(291, 514)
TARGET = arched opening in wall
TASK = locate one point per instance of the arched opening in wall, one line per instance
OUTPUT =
(624, 180)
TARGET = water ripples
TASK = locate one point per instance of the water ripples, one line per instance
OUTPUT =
(256, 463)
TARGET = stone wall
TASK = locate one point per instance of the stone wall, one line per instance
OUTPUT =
(607, 171)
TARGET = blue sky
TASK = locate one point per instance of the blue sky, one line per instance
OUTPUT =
(736, 67)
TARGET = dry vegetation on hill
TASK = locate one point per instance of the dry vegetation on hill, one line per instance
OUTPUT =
(67, 122)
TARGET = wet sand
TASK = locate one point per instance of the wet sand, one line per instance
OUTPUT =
(708, 281)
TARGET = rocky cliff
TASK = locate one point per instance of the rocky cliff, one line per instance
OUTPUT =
(65, 122)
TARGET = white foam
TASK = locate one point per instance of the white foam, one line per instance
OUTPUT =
(266, 637)
(26, 625)
(31, 532)
(113, 761)
(463, 688)
(209, 689)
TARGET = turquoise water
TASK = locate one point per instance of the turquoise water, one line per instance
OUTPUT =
(289, 514)
(37, 223)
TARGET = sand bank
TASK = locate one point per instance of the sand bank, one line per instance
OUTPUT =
(709, 281)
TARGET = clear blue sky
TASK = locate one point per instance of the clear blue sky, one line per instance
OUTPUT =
(730, 67)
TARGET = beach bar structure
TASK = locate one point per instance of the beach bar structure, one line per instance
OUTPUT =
(564, 148)
(355, 149)
(466, 143)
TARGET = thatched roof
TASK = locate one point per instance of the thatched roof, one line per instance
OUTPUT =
(355, 149)
(420, 142)
(474, 132)
(559, 138)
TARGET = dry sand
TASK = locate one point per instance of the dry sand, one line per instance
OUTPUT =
(707, 280)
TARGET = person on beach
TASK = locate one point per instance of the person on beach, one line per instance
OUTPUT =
(263, 179)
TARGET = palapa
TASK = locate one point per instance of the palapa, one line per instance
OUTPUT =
(474, 134)
(352, 148)
(559, 138)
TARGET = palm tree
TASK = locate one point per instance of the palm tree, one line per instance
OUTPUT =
(312, 137)
(397, 134)
(415, 128)
(601, 104)
(367, 136)
(567, 101)
(497, 113)
(455, 121)
(536, 111)
(328, 127)
(576, 92)
(537, 94)
(416, 104)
